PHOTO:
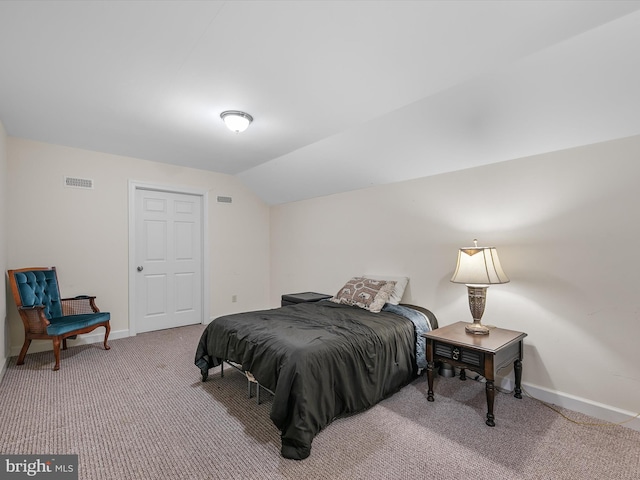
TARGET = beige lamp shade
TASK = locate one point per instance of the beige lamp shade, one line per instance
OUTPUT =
(479, 266)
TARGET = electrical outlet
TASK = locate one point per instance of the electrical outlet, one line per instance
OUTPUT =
(234, 298)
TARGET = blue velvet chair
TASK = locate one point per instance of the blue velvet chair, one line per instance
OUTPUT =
(46, 316)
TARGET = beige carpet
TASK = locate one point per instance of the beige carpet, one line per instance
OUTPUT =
(139, 411)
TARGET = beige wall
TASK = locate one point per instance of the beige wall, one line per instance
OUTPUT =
(4, 197)
(84, 233)
(565, 225)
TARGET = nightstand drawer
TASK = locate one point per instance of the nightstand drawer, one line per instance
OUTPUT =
(458, 354)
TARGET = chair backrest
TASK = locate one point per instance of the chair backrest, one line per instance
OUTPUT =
(37, 286)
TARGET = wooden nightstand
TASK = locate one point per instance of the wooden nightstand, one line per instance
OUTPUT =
(485, 354)
(303, 297)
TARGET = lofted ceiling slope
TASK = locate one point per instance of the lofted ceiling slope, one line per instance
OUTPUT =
(345, 94)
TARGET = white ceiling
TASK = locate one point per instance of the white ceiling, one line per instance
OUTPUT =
(345, 94)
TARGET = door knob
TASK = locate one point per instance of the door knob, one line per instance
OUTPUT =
(140, 268)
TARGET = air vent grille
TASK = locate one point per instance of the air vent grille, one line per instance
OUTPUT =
(74, 182)
(224, 199)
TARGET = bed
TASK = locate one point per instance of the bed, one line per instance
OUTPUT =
(320, 360)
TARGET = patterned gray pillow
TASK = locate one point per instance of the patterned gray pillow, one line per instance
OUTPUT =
(366, 293)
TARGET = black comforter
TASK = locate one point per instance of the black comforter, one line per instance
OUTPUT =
(322, 360)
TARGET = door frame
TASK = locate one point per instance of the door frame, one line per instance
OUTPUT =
(203, 193)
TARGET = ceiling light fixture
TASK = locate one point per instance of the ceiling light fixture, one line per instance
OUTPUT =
(236, 121)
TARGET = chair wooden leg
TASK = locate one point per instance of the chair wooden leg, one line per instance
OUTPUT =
(106, 336)
(56, 352)
(64, 343)
(23, 351)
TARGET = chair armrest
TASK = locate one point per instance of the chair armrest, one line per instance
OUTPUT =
(34, 319)
(79, 305)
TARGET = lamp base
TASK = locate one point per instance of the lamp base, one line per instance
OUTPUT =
(476, 328)
(477, 298)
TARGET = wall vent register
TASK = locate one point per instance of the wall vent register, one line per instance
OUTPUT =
(74, 182)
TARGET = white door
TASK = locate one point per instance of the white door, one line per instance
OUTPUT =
(168, 252)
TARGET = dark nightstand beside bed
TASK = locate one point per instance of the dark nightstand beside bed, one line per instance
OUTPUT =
(485, 354)
(303, 297)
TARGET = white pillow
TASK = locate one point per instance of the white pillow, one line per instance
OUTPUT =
(398, 291)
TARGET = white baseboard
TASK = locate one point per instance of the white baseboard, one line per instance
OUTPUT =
(603, 412)
(97, 336)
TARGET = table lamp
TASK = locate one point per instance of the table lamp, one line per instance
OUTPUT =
(478, 268)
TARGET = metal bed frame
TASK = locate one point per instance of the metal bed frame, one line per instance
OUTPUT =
(250, 380)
